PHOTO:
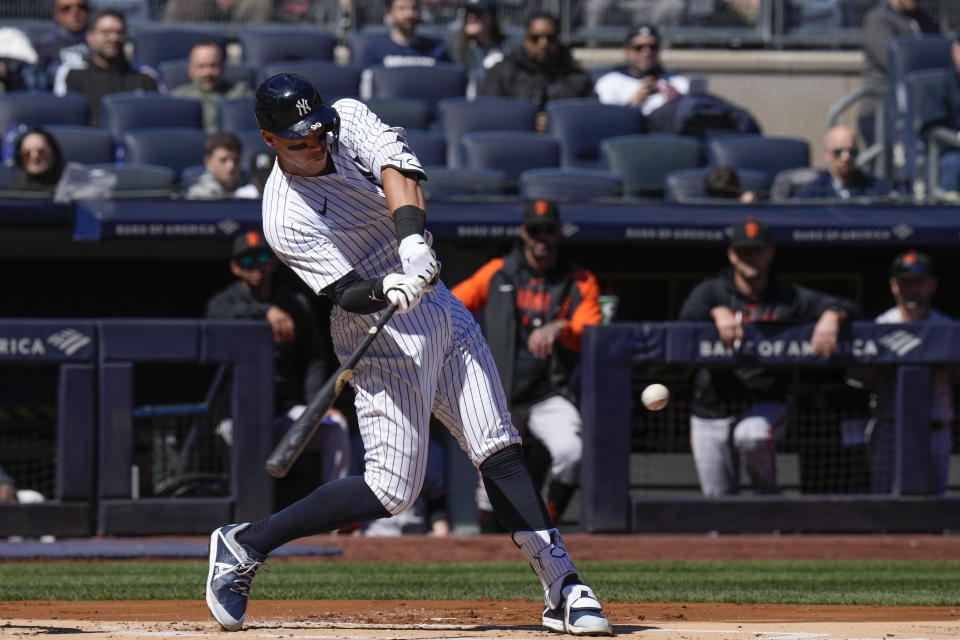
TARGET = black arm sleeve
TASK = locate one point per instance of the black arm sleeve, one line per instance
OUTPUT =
(356, 295)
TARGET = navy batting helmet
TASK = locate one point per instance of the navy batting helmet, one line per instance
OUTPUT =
(289, 106)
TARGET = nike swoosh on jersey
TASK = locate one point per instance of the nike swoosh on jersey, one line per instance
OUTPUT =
(323, 211)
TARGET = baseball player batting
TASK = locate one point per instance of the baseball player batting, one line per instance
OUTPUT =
(343, 208)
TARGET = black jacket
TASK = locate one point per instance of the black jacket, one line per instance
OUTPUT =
(520, 76)
(96, 82)
(300, 366)
(781, 301)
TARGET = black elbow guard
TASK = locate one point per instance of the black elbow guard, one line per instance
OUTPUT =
(357, 296)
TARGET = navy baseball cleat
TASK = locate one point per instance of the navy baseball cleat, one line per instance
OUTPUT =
(578, 614)
(232, 567)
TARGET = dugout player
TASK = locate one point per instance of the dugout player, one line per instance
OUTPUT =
(343, 208)
(748, 291)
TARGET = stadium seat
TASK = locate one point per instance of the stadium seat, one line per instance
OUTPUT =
(511, 151)
(409, 113)
(124, 112)
(176, 148)
(155, 45)
(190, 175)
(236, 114)
(431, 84)
(445, 182)
(457, 116)
(264, 45)
(768, 154)
(581, 123)
(643, 161)
(334, 81)
(87, 145)
(139, 179)
(41, 108)
(8, 177)
(429, 146)
(788, 182)
(357, 41)
(924, 109)
(686, 185)
(570, 184)
(173, 73)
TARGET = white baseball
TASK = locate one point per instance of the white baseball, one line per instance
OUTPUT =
(655, 397)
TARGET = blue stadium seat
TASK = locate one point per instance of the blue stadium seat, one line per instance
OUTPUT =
(34, 108)
(236, 114)
(686, 185)
(264, 45)
(424, 83)
(87, 145)
(581, 123)
(924, 109)
(176, 148)
(155, 45)
(511, 151)
(457, 116)
(357, 41)
(430, 147)
(8, 177)
(190, 175)
(124, 112)
(768, 154)
(445, 182)
(409, 113)
(643, 161)
(570, 184)
(139, 179)
(334, 81)
(173, 73)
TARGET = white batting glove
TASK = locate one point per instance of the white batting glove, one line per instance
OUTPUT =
(418, 259)
(402, 290)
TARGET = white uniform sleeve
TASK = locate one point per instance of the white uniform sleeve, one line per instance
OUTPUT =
(373, 144)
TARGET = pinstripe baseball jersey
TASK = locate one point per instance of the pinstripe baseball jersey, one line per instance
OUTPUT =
(324, 226)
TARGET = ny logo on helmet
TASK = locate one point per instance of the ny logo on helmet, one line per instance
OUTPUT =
(303, 107)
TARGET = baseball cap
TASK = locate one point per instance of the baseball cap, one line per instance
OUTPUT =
(248, 242)
(644, 30)
(911, 263)
(751, 233)
(540, 212)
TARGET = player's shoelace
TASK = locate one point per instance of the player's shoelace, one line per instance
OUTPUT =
(245, 571)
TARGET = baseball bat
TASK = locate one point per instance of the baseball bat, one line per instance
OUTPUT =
(294, 441)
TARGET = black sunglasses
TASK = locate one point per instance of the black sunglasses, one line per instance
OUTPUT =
(251, 260)
(853, 151)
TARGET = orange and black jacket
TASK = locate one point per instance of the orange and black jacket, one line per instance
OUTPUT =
(511, 293)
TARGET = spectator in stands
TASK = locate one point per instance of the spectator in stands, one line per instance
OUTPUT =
(205, 68)
(478, 44)
(106, 70)
(301, 355)
(723, 182)
(245, 11)
(912, 284)
(8, 490)
(67, 39)
(745, 292)
(223, 171)
(541, 70)
(539, 300)
(643, 82)
(889, 18)
(38, 160)
(950, 158)
(18, 62)
(260, 167)
(843, 179)
(402, 46)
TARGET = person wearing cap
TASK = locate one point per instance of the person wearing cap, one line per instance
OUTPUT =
(642, 82)
(843, 179)
(543, 69)
(912, 285)
(260, 167)
(479, 43)
(302, 354)
(539, 300)
(744, 292)
(221, 160)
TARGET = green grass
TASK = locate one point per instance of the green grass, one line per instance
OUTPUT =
(776, 582)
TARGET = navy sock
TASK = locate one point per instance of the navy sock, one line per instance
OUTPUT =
(328, 507)
(513, 494)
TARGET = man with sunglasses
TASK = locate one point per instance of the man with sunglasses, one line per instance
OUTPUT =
(66, 41)
(543, 69)
(643, 82)
(536, 302)
(842, 179)
(344, 209)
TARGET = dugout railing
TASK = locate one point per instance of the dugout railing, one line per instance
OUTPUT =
(617, 356)
(134, 430)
